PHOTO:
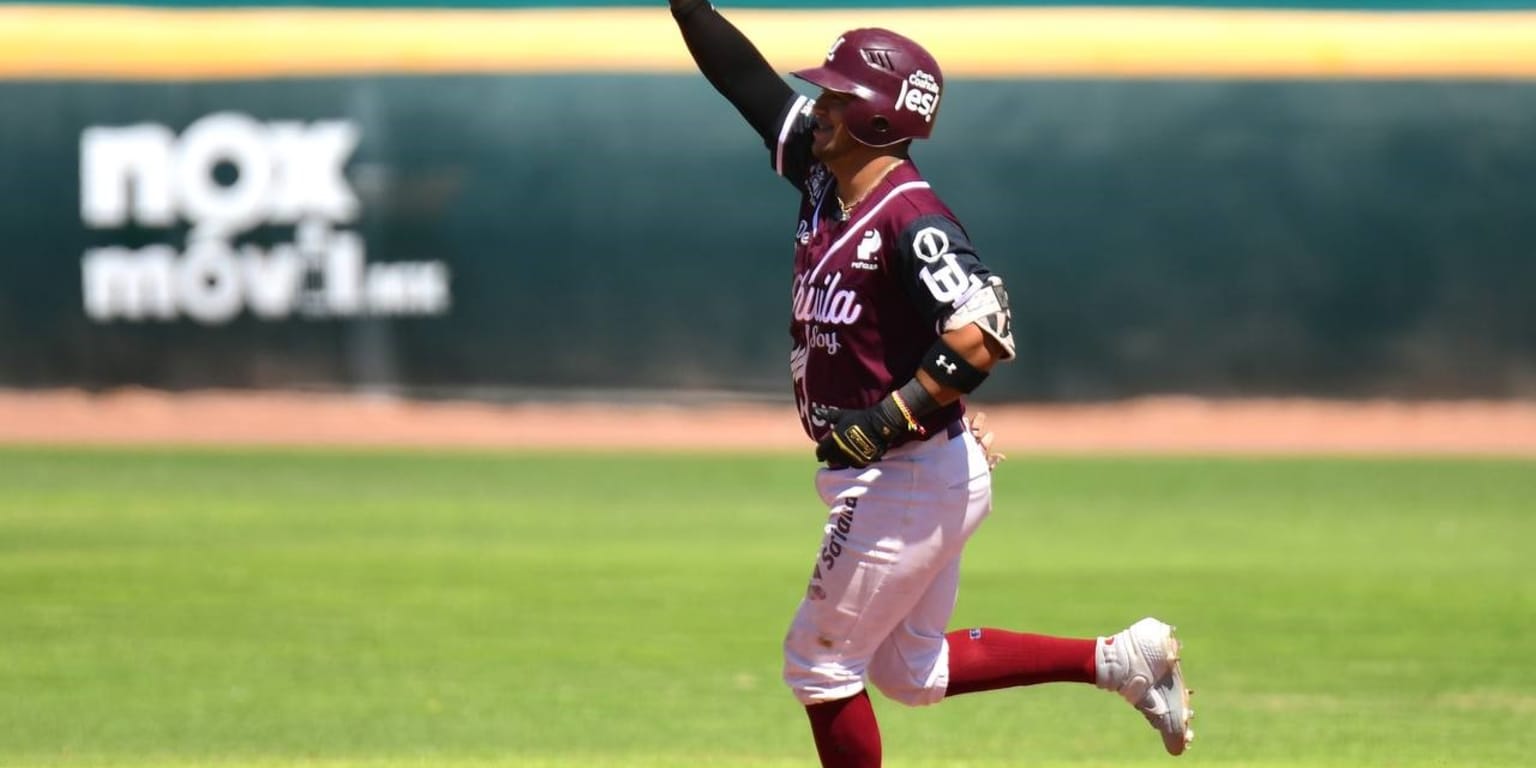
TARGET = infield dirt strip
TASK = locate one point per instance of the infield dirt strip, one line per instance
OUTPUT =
(1153, 425)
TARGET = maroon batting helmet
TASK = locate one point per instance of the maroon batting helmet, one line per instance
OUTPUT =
(896, 85)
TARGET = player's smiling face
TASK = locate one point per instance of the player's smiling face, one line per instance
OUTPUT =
(830, 138)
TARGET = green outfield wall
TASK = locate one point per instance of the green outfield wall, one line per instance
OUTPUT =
(494, 233)
(484, 198)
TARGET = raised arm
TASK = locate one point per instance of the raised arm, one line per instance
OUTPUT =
(733, 66)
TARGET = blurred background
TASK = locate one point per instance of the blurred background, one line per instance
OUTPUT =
(495, 199)
(1273, 227)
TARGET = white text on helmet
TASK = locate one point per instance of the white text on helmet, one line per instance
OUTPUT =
(923, 80)
(920, 94)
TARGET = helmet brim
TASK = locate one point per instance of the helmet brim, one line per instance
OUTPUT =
(832, 80)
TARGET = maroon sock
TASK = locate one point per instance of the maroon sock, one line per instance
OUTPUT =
(988, 659)
(847, 735)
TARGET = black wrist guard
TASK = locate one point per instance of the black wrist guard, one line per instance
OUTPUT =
(913, 402)
(950, 370)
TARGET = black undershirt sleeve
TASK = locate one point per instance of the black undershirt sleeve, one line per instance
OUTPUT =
(734, 66)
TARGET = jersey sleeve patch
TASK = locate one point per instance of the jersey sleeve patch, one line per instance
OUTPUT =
(937, 265)
(947, 280)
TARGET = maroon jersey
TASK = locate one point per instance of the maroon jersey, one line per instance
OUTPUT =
(871, 293)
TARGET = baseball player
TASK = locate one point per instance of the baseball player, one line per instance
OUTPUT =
(894, 320)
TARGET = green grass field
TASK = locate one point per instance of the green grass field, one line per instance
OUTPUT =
(257, 609)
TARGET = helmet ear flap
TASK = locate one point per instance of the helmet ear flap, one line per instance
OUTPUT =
(866, 125)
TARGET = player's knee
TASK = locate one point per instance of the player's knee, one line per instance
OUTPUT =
(910, 684)
(915, 682)
(815, 675)
(821, 683)
(906, 689)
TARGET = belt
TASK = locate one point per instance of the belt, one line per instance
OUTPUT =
(955, 429)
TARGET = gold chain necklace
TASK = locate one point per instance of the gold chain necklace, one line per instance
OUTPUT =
(848, 207)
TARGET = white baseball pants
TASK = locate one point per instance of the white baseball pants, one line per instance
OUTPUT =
(887, 575)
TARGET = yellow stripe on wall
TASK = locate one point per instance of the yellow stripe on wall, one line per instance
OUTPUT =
(141, 43)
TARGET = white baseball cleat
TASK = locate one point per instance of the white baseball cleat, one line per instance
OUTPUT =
(1141, 663)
